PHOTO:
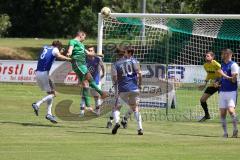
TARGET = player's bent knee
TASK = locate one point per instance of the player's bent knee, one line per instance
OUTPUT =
(203, 100)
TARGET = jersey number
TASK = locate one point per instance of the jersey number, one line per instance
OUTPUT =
(43, 53)
(127, 69)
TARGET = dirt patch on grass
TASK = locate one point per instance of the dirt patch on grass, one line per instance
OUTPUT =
(14, 53)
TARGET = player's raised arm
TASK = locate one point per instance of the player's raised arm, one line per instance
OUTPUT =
(223, 74)
(62, 57)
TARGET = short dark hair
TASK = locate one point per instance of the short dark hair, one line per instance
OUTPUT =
(211, 53)
(90, 46)
(81, 33)
(227, 50)
(57, 44)
(130, 50)
(120, 51)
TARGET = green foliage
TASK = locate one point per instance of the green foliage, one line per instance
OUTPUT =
(4, 24)
(62, 18)
(88, 21)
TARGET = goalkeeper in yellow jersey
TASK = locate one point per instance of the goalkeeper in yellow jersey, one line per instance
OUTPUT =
(214, 73)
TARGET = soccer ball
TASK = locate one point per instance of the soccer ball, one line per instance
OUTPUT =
(105, 11)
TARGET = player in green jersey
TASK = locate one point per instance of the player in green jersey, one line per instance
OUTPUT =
(78, 53)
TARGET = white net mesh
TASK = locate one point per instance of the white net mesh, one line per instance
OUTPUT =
(171, 51)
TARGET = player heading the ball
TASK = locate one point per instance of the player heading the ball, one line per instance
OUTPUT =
(77, 52)
(97, 70)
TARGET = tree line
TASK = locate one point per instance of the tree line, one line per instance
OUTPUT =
(62, 18)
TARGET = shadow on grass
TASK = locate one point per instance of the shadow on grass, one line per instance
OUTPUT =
(188, 134)
(29, 124)
(63, 112)
(109, 132)
(89, 132)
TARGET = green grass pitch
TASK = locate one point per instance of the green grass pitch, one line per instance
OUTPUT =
(23, 136)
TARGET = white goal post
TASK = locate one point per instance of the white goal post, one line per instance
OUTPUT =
(171, 47)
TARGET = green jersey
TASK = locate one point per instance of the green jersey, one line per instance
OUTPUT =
(78, 52)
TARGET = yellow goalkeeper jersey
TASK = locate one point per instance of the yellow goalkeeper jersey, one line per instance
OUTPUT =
(211, 69)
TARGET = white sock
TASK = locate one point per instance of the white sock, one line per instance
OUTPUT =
(50, 96)
(138, 118)
(234, 121)
(82, 104)
(49, 106)
(97, 101)
(224, 125)
(116, 116)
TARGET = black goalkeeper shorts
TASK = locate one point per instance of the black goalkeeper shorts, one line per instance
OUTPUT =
(211, 90)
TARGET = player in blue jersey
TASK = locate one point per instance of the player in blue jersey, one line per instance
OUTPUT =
(127, 76)
(228, 92)
(124, 122)
(128, 53)
(45, 61)
(96, 68)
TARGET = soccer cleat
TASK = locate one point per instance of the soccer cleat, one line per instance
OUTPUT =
(114, 130)
(104, 95)
(235, 134)
(51, 118)
(109, 125)
(140, 132)
(124, 124)
(204, 118)
(225, 135)
(35, 108)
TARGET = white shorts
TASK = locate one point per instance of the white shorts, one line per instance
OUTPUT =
(43, 81)
(95, 93)
(131, 98)
(227, 99)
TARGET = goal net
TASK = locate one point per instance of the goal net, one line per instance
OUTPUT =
(170, 49)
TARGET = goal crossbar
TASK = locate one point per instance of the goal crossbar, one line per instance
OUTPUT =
(182, 16)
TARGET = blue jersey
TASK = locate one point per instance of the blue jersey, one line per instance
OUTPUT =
(227, 85)
(93, 68)
(126, 72)
(46, 59)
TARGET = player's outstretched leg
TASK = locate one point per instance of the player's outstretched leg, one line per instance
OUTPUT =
(49, 115)
(116, 115)
(36, 105)
(93, 85)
